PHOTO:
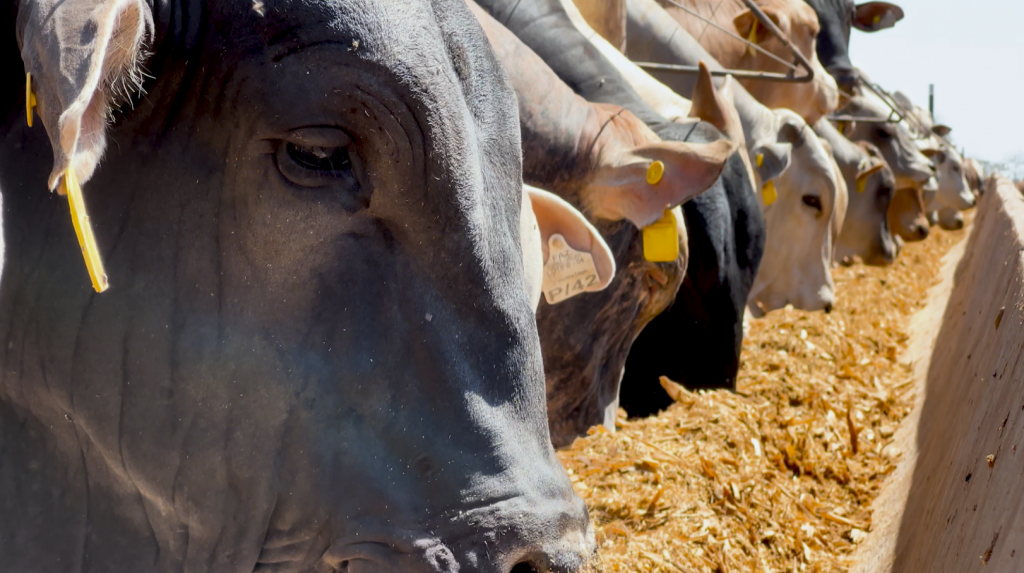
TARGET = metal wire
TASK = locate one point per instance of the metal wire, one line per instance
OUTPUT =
(715, 25)
(769, 25)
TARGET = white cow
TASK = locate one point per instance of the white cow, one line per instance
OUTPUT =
(809, 203)
(954, 193)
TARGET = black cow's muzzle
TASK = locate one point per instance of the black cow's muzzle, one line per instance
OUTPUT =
(519, 542)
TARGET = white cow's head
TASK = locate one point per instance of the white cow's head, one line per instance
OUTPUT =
(803, 222)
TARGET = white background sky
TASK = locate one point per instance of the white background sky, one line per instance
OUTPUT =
(973, 51)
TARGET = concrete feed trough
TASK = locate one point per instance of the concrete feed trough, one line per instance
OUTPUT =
(956, 503)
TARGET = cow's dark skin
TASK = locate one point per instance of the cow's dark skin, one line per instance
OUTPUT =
(836, 18)
(281, 378)
(726, 241)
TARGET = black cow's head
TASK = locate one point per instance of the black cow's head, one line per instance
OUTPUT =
(317, 352)
(836, 18)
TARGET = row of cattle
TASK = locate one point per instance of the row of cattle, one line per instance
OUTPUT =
(323, 347)
(816, 175)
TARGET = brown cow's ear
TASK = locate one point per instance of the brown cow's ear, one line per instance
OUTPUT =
(656, 177)
(555, 216)
(748, 26)
(941, 130)
(875, 16)
(81, 55)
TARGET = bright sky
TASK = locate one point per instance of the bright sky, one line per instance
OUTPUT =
(973, 51)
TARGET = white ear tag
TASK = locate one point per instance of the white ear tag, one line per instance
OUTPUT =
(567, 272)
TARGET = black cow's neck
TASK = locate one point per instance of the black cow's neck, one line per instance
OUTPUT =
(544, 26)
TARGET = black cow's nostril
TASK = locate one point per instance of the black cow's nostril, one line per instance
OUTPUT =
(828, 308)
(922, 232)
(524, 567)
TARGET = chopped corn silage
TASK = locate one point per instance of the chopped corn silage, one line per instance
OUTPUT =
(778, 477)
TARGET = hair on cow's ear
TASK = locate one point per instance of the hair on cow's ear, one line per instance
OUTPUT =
(83, 56)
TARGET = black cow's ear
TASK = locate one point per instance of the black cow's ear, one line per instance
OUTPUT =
(80, 56)
(875, 16)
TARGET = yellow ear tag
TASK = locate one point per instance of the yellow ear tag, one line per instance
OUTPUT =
(655, 172)
(752, 38)
(86, 239)
(862, 183)
(30, 100)
(760, 159)
(876, 19)
(661, 239)
(768, 192)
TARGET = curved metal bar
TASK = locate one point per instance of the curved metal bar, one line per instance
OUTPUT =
(765, 21)
(861, 119)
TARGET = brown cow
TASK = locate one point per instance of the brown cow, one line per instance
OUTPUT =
(797, 20)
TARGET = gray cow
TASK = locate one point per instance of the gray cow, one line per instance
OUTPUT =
(317, 352)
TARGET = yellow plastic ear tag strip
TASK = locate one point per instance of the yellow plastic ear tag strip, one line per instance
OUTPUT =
(862, 183)
(752, 38)
(768, 192)
(83, 229)
(760, 159)
(30, 100)
(661, 239)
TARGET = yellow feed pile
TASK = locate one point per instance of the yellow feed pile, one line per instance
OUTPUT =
(778, 477)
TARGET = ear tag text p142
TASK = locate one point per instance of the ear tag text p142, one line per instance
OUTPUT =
(567, 272)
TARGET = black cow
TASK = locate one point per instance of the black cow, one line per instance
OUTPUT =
(317, 352)
(725, 226)
(836, 18)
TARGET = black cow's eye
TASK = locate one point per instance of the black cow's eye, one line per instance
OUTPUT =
(318, 157)
(314, 165)
(327, 160)
(882, 134)
(813, 202)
